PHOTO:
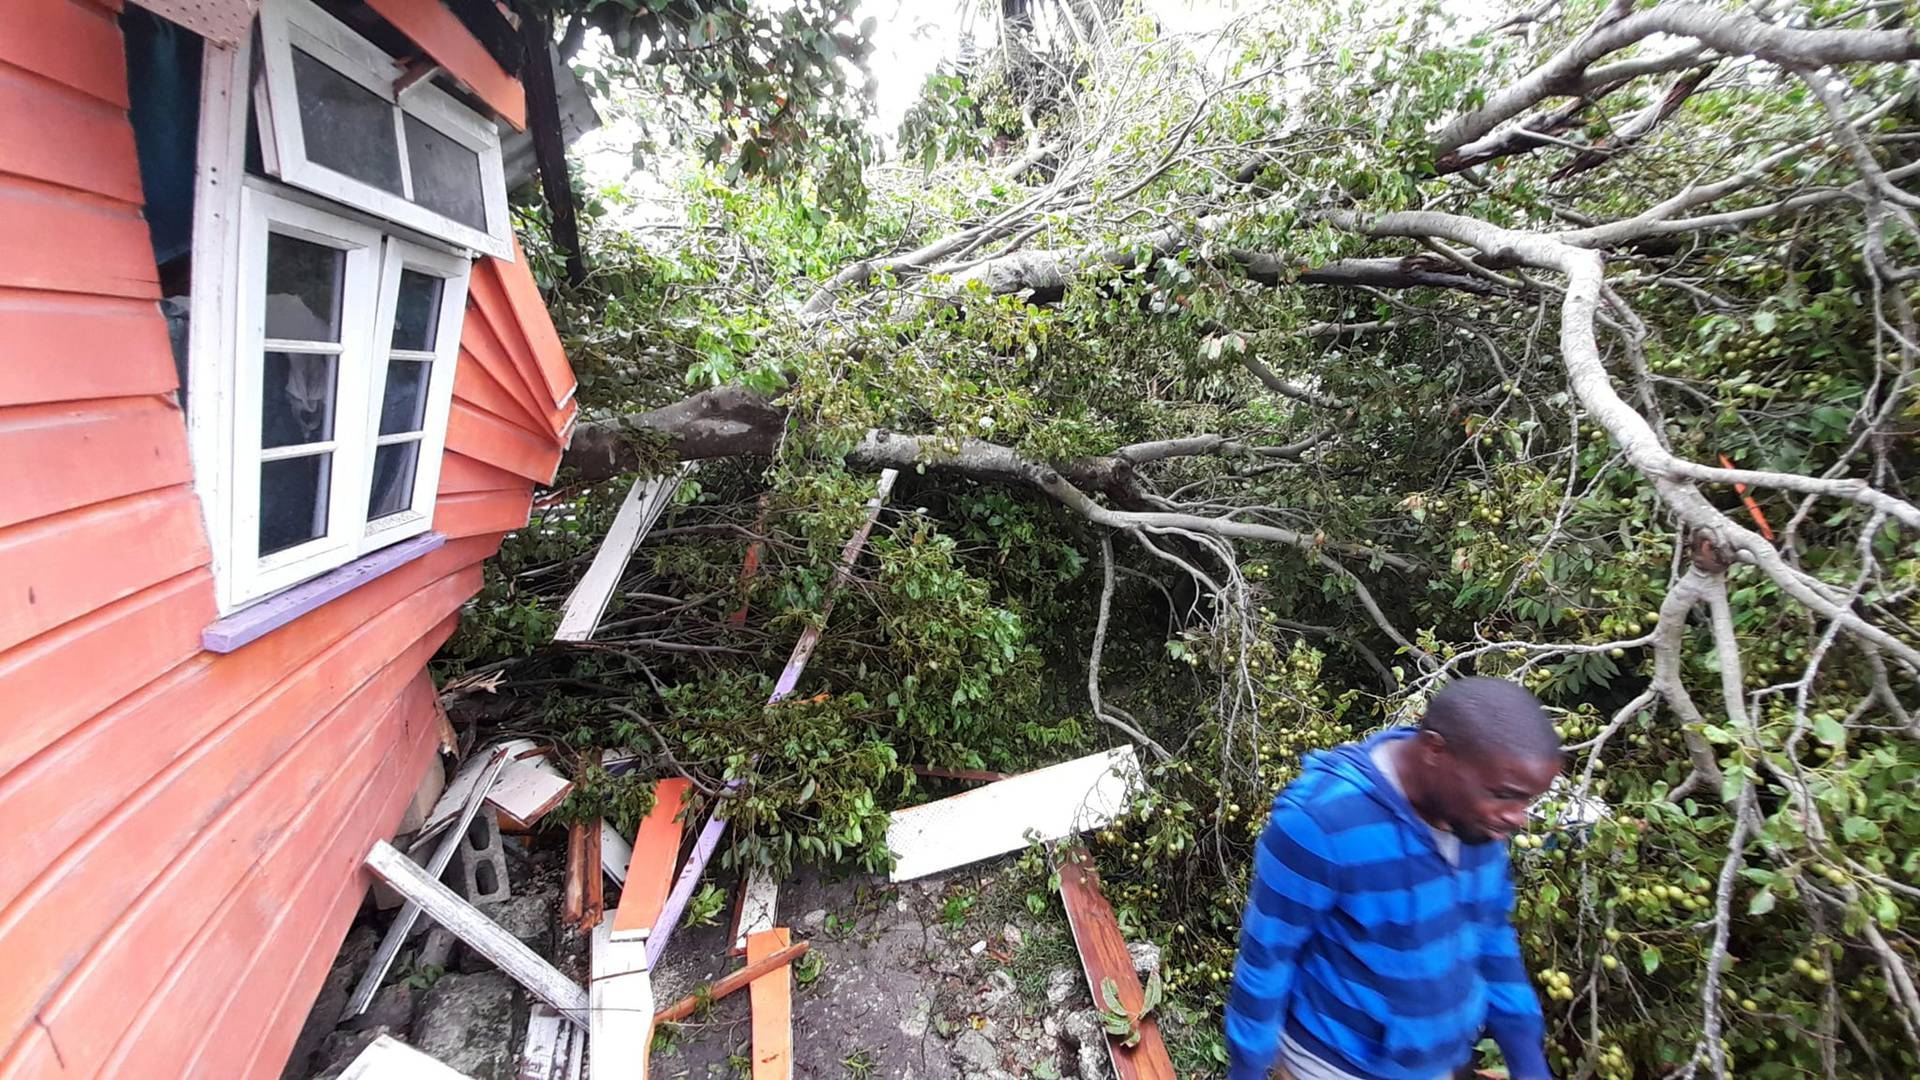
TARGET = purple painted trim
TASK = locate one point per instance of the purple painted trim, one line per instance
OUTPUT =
(703, 849)
(253, 623)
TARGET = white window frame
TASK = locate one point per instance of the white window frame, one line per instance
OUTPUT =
(453, 273)
(285, 24)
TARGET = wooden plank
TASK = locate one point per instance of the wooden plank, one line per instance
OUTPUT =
(1103, 953)
(645, 502)
(483, 513)
(615, 853)
(772, 997)
(549, 1044)
(460, 473)
(842, 573)
(58, 239)
(69, 42)
(759, 901)
(229, 851)
(473, 383)
(236, 977)
(66, 455)
(58, 134)
(253, 623)
(1048, 803)
(478, 932)
(480, 339)
(656, 844)
(402, 925)
(621, 1033)
(484, 436)
(584, 901)
(487, 289)
(59, 568)
(731, 982)
(71, 347)
(441, 35)
(387, 1058)
(527, 792)
(530, 313)
(976, 776)
(467, 779)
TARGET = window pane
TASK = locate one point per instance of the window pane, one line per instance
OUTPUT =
(347, 127)
(416, 317)
(404, 408)
(393, 467)
(293, 501)
(297, 406)
(304, 286)
(446, 175)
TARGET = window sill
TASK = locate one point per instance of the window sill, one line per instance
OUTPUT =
(253, 623)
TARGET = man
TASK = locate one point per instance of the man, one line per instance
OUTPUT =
(1376, 943)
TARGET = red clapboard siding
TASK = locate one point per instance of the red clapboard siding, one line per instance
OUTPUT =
(487, 334)
(459, 473)
(196, 997)
(83, 902)
(480, 513)
(60, 239)
(441, 35)
(62, 567)
(489, 298)
(523, 293)
(141, 436)
(72, 43)
(66, 346)
(41, 120)
(473, 384)
(486, 437)
(208, 867)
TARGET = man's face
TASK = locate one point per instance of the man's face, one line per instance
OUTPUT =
(1483, 797)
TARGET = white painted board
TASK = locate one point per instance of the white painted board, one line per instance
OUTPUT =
(615, 853)
(387, 1058)
(1045, 804)
(526, 790)
(644, 504)
(759, 901)
(621, 1005)
(458, 790)
(549, 1039)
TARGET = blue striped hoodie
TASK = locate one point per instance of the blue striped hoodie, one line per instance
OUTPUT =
(1377, 955)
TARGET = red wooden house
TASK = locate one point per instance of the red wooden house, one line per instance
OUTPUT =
(273, 383)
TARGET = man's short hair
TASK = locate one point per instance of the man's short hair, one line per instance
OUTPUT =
(1481, 716)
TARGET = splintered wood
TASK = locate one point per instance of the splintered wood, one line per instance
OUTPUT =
(526, 792)
(644, 504)
(759, 900)
(772, 999)
(1046, 804)
(1103, 953)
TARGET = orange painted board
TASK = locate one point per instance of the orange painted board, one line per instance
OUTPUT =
(487, 288)
(772, 999)
(289, 908)
(441, 35)
(460, 473)
(72, 43)
(231, 852)
(480, 341)
(475, 385)
(484, 436)
(516, 278)
(58, 134)
(60, 239)
(478, 513)
(68, 347)
(72, 454)
(1103, 953)
(656, 848)
(61, 567)
(180, 751)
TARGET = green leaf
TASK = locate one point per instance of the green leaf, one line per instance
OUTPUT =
(1764, 321)
(1110, 992)
(1650, 959)
(1761, 903)
(1828, 729)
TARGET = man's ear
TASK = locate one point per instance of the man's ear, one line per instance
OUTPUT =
(1432, 745)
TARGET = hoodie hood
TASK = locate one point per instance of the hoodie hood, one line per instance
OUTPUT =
(1353, 762)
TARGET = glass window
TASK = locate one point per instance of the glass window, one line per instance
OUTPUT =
(416, 316)
(297, 402)
(303, 289)
(293, 501)
(393, 471)
(404, 405)
(446, 175)
(347, 127)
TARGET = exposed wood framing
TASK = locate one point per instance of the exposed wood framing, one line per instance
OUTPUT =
(479, 933)
(549, 144)
(1103, 953)
(709, 839)
(772, 996)
(645, 502)
(1049, 803)
(483, 772)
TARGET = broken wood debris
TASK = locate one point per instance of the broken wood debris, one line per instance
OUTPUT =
(644, 504)
(709, 838)
(478, 932)
(615, 853)
(978, 776)
(583, 902)
(549, 1046)
(1050, 803)
(759, 901)
(655, 846)
(731, 982)
(387, 1058)
(483, 770)
(772, 1000)
(526, 792)
(453, 800)
(1103, 954)
(621, 1004)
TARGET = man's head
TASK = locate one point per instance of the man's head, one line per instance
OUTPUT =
(1485, 751)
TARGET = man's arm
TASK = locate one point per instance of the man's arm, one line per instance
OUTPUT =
(1294, 883)
(1513, 1009)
